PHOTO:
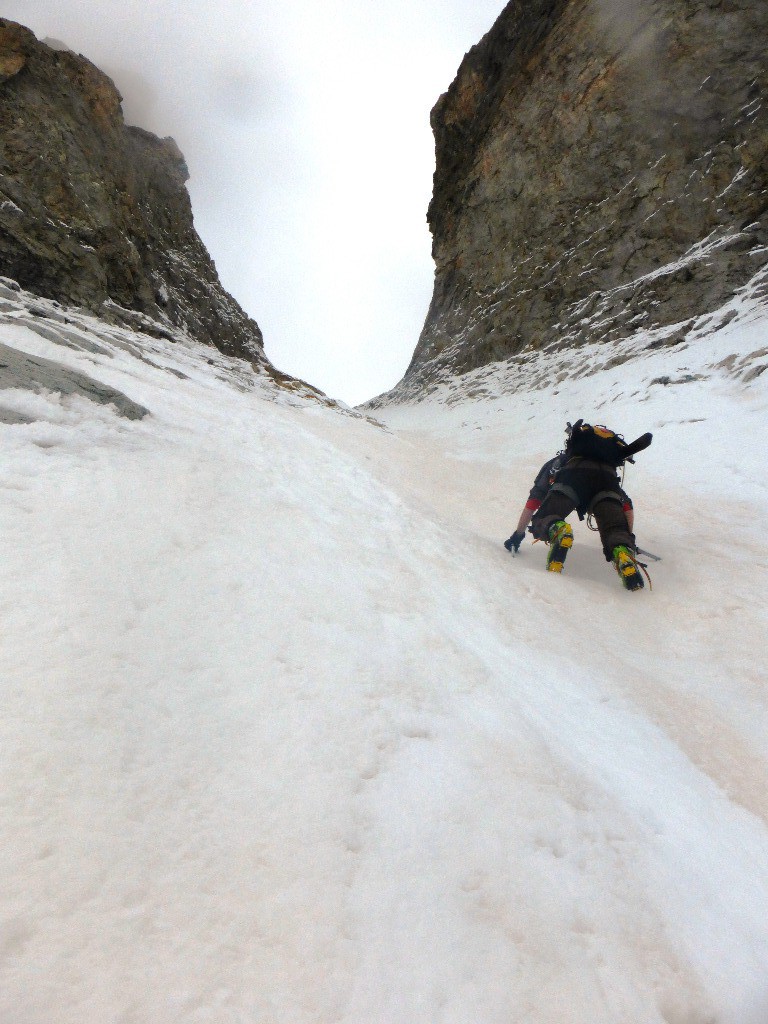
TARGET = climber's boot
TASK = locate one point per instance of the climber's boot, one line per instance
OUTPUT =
(627, 567)
(560, 542)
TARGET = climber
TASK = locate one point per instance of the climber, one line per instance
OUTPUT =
(545, 478)
(584, 477)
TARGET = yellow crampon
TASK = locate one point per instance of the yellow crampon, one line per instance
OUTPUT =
(628, 568)
(560, 542)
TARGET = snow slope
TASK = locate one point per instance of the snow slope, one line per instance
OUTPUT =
(288, 737)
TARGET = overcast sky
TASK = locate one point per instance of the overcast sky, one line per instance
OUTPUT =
(305, 124)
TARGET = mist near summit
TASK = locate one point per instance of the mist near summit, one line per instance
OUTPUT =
(306, 132)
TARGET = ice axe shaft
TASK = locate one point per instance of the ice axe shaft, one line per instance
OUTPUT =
(638, 445)
(649, 554)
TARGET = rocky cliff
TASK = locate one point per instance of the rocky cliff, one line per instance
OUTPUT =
(601, 165)
(94, 212)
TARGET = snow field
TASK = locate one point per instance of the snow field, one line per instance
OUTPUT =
(289, 737)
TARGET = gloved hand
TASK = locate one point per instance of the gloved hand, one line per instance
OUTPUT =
(515, 541)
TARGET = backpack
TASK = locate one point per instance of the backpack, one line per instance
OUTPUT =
(597, 442)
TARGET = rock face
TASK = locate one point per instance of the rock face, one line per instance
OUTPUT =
(601, 165)
(96, 213)
(19, 370)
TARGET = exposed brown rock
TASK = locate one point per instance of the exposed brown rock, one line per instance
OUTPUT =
(585, 152)
(12, 57)
(96, 213)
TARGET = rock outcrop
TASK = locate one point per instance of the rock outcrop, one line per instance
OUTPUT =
(601, 165)
(95, 213)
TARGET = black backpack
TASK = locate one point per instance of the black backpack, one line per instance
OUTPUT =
(601, 444)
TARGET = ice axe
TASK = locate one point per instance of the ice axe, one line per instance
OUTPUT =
(648, 554)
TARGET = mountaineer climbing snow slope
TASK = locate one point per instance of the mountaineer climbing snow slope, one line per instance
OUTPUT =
(289, 737)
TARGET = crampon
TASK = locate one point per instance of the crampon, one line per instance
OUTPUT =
(560, 542)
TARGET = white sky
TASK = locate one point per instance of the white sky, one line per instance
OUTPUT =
(305, 125)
